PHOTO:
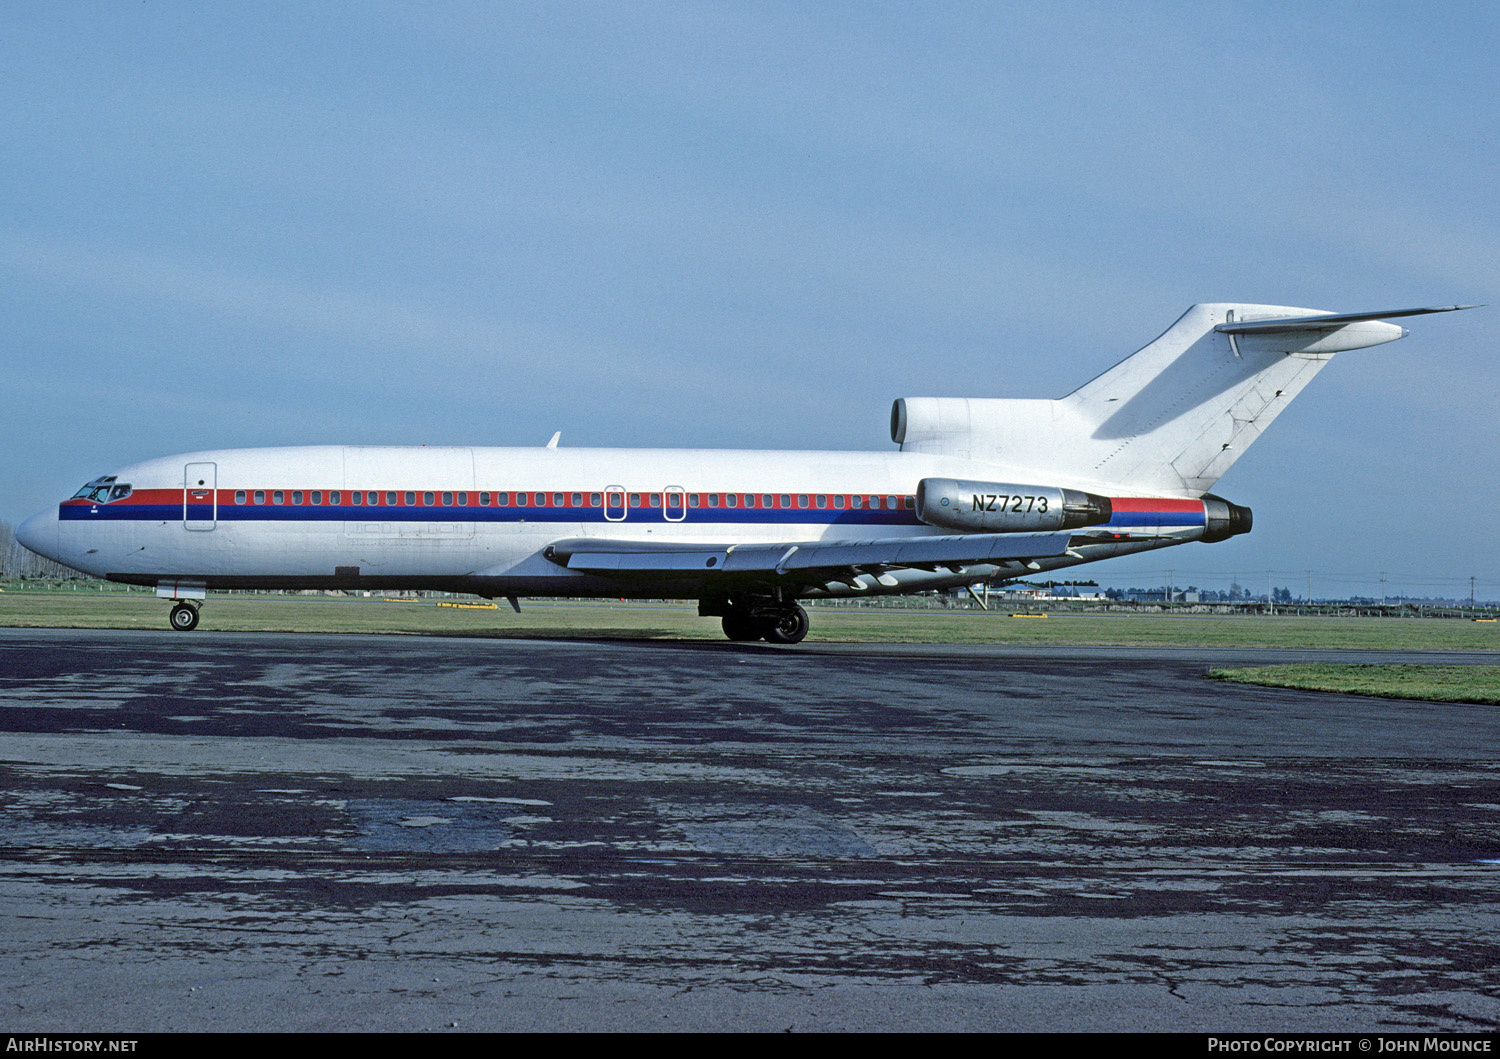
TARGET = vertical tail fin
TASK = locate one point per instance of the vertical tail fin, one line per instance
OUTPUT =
(1177, 414)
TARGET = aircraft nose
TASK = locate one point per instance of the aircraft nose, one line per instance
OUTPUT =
(39, 534)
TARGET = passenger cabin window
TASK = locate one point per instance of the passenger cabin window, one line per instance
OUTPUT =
(278, 497)
(822, 500)
(296, 496)
(502, 500)
(260, 496)
(239, 496)
(447, 499)
(334, 497)
(317, 496)
(463, 499)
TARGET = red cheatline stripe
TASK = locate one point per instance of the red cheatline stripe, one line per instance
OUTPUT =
(1151, 503)
(517, 498)
(1134, 504)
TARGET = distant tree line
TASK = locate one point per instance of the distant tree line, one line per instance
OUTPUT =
(1235, 594)
(18, 561)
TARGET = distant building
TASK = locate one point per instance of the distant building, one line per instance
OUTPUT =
(1058, 593)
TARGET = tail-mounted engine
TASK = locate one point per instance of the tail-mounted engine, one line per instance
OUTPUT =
(1003, 507)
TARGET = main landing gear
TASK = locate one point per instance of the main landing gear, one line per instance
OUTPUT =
(781, 623)
(184, 617)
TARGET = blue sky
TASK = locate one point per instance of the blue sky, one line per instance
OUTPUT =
(753, 225)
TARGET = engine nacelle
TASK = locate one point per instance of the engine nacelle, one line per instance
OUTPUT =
(1002, 507)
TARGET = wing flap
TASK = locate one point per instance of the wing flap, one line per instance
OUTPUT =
(600, 561)
(803, 557)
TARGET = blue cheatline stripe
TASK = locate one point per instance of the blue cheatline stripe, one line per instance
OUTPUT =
(701, 516)
(1157, 518)
(324, 513)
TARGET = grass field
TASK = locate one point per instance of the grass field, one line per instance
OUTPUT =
(64, 608)
(1431, 683)
(569, 619)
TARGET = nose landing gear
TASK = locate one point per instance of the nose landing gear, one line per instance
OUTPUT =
(186, 596)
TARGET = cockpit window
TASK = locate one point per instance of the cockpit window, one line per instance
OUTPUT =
(103, 490)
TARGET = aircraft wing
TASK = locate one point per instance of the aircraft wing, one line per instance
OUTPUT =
(820, 559)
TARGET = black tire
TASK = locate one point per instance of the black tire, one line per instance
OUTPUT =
(184, 618)
(740, 627)
(788, 627)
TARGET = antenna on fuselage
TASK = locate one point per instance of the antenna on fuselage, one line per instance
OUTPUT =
(553, 443)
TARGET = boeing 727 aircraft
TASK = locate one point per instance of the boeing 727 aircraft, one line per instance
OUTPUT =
(978, 490)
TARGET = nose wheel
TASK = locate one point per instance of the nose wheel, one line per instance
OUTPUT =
(184, 617)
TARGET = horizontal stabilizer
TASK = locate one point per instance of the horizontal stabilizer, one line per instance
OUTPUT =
(1324, 320)
(630, 558)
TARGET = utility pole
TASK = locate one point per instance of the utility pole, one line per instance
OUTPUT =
(1471, 592)
(1382, 588)
(1270, 597)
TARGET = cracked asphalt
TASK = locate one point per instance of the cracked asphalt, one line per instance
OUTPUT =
(252, 832)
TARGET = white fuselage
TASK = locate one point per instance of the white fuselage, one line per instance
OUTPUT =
(480, 519)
